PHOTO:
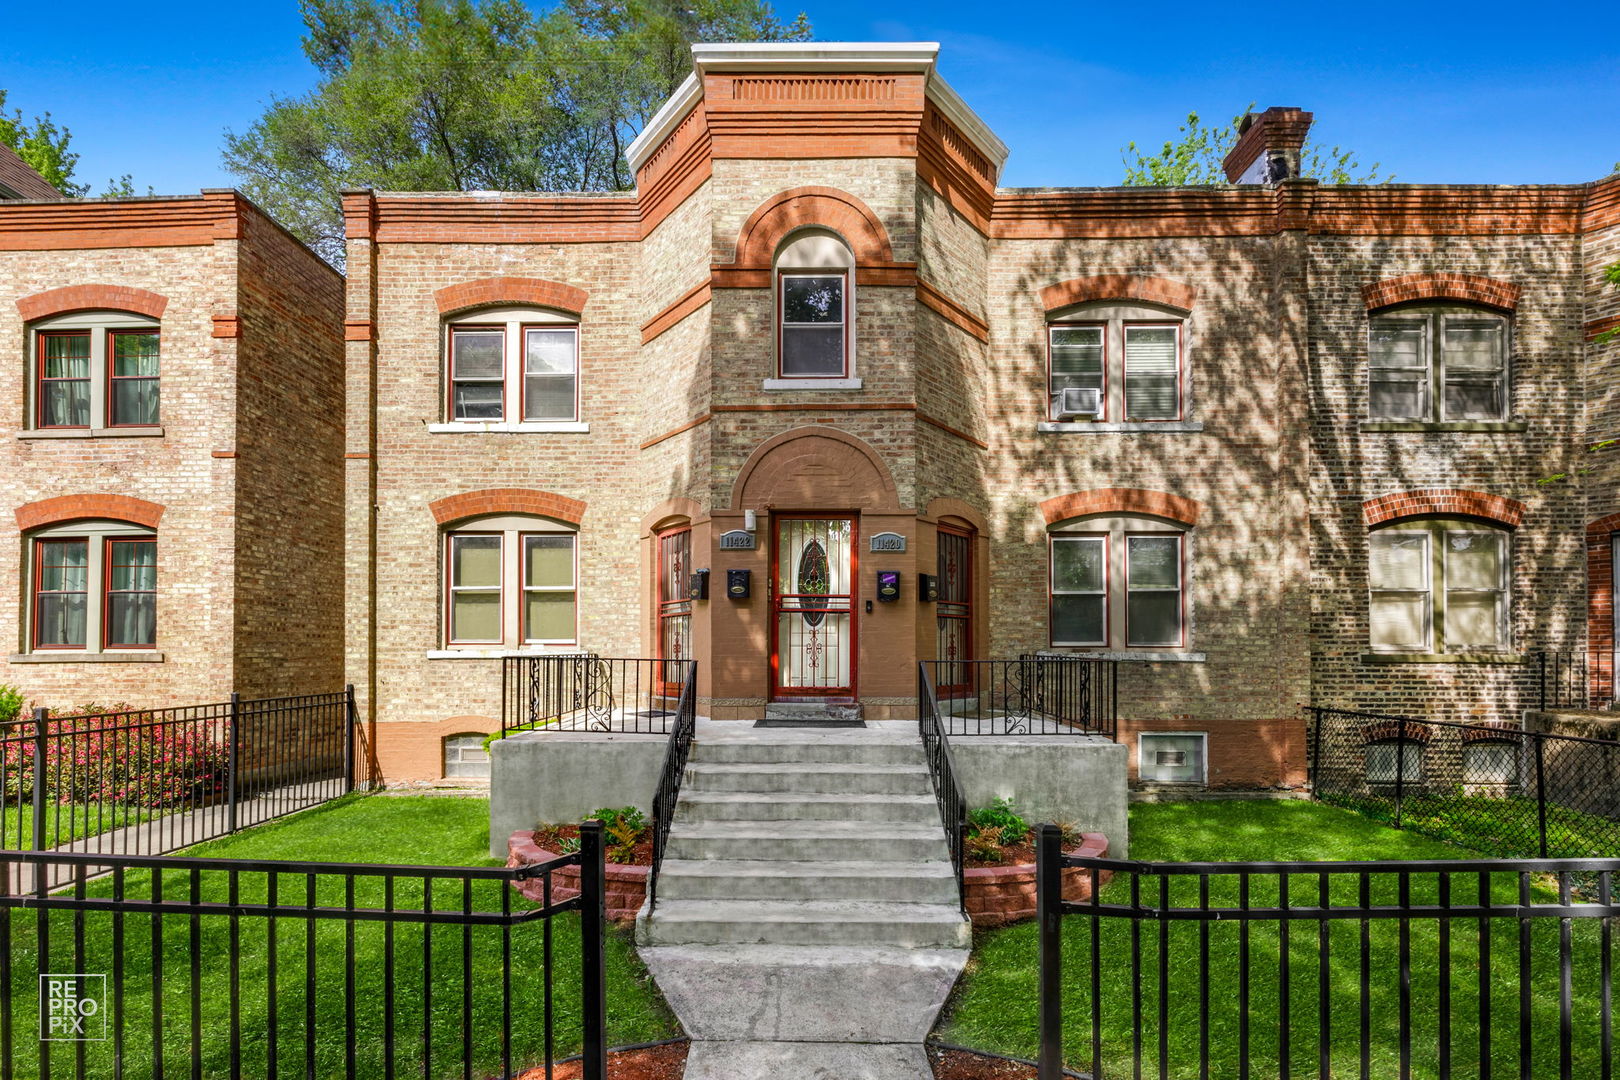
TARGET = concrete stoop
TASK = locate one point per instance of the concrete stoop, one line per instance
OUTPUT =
(808, 922)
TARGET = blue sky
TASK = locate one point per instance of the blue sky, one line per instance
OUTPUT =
(1440, 94)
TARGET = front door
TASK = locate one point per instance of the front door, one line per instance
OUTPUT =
(813, 607)
(953, 612)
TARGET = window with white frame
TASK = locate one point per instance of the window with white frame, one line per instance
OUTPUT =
(814, 306)
(1118, 582)
(1116, 362)
(1438, 363)
(95, 370)
(511, 581)
(512, 365)
(92, 588)
(1438, 586)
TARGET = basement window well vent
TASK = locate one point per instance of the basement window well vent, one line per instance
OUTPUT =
(1166, 758)
(465, 757)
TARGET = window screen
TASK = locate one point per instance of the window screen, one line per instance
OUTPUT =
(1152, 363)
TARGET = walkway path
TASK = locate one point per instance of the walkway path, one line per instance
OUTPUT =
(808, 923)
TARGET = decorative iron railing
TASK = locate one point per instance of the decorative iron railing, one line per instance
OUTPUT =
(1037, 694)
(942, 771)
(669, 780)
(586, 692)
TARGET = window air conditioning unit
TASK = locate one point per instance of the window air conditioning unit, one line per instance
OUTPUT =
(1170, 757)
(1079, 401)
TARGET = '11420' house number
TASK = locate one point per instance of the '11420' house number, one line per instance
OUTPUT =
(888, 541)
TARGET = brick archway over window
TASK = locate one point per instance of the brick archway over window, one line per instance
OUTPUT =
(486, 292)
(814, 468)
(1434, 502)
(802, 207)
(42, 305)
(1469, 288)
(1152, 290)
(1600, 608)
(507, 501)
(1160, 504)
(65, 508)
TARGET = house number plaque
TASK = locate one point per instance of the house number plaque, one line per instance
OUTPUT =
(736, 540)
(888, 541)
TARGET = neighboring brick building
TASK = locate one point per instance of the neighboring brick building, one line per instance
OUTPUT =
(172, 469)
(18, 180)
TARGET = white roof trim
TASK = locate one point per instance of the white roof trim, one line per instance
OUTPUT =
(664, 121)
(957, 112)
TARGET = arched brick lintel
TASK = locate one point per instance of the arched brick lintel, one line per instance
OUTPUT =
(506, 501)
(1395, 731)
(1468, 288)
(1085, 290)
(1432, 502)
(801, 207)
(68, 298)
(64, 508)
(1121, 501)
(486, 292)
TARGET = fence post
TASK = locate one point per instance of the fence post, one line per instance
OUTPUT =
(235, 720)
(1316, 751)
(1400, 773)
(349, 715)
(1049, 917)
(1541, 791)
(593, 917)
(1541, 658)
(41, 714)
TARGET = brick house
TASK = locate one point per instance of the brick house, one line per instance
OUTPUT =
(1273, 443)
(172, 469)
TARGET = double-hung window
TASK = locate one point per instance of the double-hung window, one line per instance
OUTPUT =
(1436, 364)
(94, 588)
(1438, 586)
(1118, 582)
(511, 581)
(512, 366)
(813, 326)
(1115, 362)
(95, 370)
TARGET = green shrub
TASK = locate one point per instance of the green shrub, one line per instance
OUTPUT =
(622, 827)
(999, 815)
(11, 704)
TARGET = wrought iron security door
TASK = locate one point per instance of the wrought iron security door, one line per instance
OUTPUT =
(674, 606)
(813, 601)
(954, 613)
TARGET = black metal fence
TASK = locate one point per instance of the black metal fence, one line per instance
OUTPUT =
(586, 692)
(149, 781)
(1354, 969)
(942, 771)
(237, 968)
(1491, 787)
(668, 793)
(1561, 681)
(1037, 694)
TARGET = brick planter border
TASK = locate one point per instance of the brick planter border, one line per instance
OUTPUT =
(626, 885)
(998, 895)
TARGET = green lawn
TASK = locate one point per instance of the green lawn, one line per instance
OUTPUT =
(995, 1006)
(1507, 827)
(370, 829)
(66, 822)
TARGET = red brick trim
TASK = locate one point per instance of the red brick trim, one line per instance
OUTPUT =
(68, 298)
(690, 301)
(800, 207)
(507, 501)
(1600, 609)
(511, 290)
(1154, 290)
(1121, 501)
(952, 312)
(64, 508)
(1395, 731)
(1433, 502)
(1492, 731)
(1469, 288)
(359, 330)
(1601, 326)
(227, 326)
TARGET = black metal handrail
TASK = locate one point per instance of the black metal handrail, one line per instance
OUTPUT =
(1460, 965)
(1036, 694)
(669, 780)
(1561, 680)
(942, 772)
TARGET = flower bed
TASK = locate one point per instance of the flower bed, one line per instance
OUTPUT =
(626, 884)
(998, 895)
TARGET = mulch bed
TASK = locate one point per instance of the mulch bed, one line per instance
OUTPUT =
(967, 1065)
(663, 1062)
(1019, 854)
(552, 837)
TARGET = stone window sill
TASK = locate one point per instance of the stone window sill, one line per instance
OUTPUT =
(1500, 426)
(1150, 655)
(1444, 658)
(496, 654)
(72, 656)
(512, 427)
(812, 384)
(1053, 427)
(93, 433)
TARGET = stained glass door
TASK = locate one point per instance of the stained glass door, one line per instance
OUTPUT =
(813, 597)
(954, 612)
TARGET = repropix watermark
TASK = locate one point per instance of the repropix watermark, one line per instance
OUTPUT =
(72, 1008)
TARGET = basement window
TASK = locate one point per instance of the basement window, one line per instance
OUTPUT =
(1171, 757)
(465, 757)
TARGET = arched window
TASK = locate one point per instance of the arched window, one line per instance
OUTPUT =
(94, 370)
(1116, 361)
(511, 580)
(1119, 581)
(512, 365)
(1438, 362)
(1439, 585)
(92, 588)
(815, 307)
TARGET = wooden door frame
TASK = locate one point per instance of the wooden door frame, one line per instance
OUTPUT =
(835, 694)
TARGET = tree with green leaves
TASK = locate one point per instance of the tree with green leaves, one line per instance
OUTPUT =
(466, 95)
(1195, 158)
(44, 147)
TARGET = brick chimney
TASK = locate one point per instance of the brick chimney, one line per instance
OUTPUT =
(1268, 146)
